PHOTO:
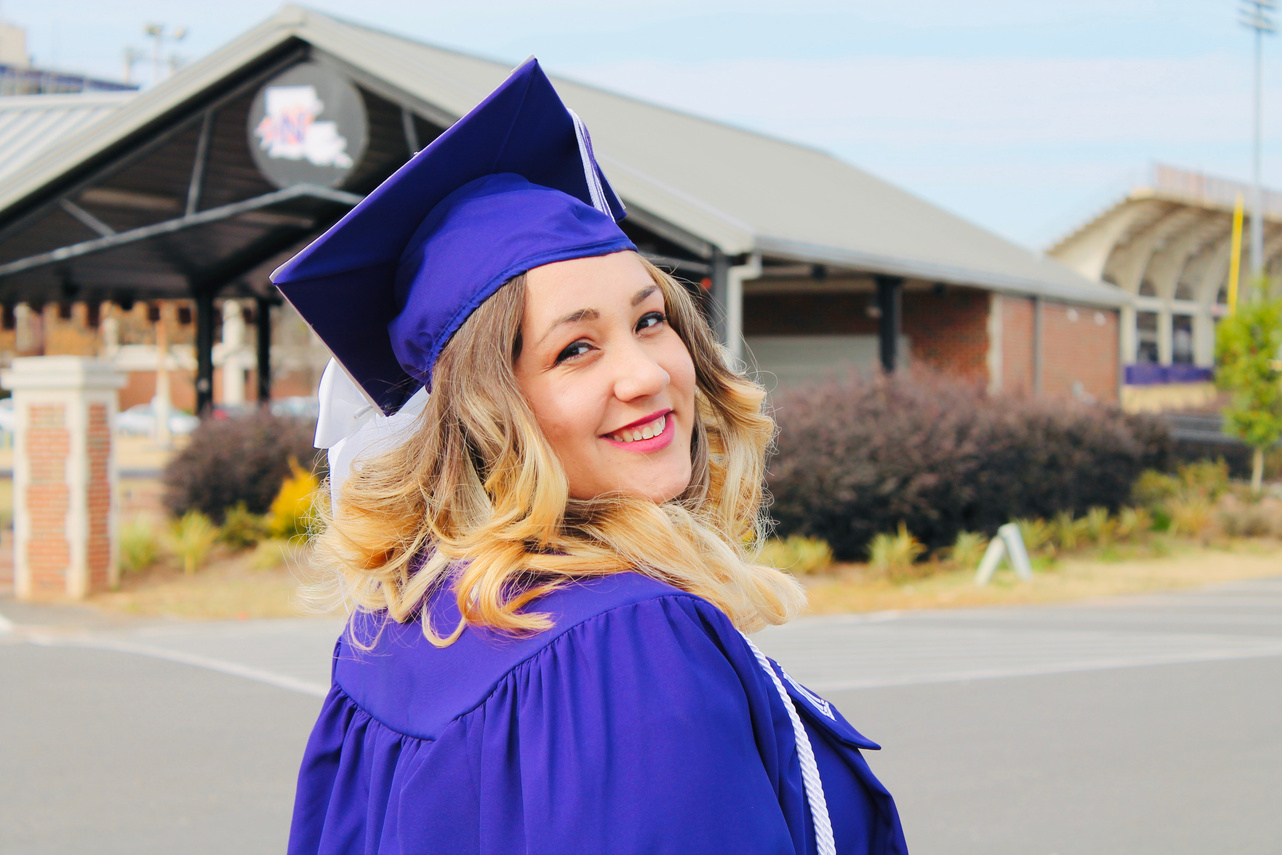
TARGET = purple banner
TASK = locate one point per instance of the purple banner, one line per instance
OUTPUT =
(1151, 374)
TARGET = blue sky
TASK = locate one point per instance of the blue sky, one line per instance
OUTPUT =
(1023, 117)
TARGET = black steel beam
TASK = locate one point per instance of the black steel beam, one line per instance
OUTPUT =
(205, 320)
(890, 291)
(212, 215)
(87, 219)
(263, 325)
(411, 133)
(239, 263)
(145, 140)
(197, 184)
(719, 275)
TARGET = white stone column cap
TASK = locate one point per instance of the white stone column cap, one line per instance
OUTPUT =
(61, 372)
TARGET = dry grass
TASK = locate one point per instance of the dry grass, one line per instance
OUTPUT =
(6, 498)
(854, 588)
(229, 587)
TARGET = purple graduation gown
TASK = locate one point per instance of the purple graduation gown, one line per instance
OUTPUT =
(641, 723)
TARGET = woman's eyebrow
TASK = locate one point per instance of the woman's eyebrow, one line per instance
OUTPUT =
(571, 318)
(592, 314)
(640, 296)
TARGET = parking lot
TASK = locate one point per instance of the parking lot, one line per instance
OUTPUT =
(1137, 725)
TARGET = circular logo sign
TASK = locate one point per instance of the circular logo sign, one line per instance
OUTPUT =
(308, 126)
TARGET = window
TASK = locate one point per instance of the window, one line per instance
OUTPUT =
(1146, 337)
(1182, 339)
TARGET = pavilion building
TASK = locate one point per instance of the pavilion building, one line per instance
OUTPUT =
(118, 210)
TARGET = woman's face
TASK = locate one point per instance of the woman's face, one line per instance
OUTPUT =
(610, 382)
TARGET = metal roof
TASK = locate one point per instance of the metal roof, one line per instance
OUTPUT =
(30, 123)
(697, 182)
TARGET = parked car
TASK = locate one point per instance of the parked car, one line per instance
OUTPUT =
(298, 406)
(8, 419)
(140, 420)
(232, 411)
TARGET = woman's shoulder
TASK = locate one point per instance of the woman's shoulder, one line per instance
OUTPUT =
(585, 599)
(417, 689)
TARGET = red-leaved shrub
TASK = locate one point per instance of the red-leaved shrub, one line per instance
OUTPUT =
(240, 459)
(858, 456)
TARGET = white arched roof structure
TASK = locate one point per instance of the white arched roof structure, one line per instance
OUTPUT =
(1167, 242)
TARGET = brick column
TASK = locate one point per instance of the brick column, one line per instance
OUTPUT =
(64, 476)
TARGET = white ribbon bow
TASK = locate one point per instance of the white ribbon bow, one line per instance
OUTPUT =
(351, 426)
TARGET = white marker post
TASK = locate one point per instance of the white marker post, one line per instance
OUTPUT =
(1009, 544)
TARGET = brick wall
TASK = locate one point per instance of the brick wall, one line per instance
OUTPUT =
(140, 388)
(70, 336)
(99, 498)
(48, 499)
(807, 313)
(1079, 346)
(1079, 349)
(298, 360)
(947, 331)
(1017, 345)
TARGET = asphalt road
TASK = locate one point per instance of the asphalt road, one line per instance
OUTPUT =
(1134, 725)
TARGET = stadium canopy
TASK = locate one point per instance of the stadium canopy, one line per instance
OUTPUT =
(1167, 242)
(176, 192)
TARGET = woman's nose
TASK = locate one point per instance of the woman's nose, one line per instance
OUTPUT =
(639, 375)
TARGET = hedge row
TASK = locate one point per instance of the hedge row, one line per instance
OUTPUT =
(854, 457)
(858, 456)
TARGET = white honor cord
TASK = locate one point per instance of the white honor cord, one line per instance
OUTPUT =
(824, 843)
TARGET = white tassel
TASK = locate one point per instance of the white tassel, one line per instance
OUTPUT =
(595, 189)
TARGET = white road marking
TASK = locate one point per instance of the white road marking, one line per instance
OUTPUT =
(825, 653)
(962, 676)
(222, 666)
(1220, 623)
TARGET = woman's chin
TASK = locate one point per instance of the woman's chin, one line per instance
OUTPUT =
(657, 487)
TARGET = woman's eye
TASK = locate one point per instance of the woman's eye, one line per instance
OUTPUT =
(651, 319)
(577, 349)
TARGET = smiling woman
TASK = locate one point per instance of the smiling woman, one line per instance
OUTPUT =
(610, 381)
(519, 465)
(547, 557)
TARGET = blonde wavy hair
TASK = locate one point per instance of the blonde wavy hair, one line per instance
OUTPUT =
(476, 496)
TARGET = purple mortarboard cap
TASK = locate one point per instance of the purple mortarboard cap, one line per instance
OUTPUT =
(509, 187)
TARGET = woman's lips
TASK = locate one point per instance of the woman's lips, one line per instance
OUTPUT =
(639, 423)
(654, 443)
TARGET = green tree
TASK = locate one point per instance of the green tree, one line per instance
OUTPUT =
(1248, 358)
